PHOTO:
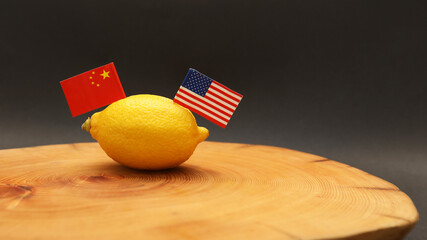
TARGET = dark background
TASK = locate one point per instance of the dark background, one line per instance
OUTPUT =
(342, 79)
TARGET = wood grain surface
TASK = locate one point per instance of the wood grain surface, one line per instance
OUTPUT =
(225, 191)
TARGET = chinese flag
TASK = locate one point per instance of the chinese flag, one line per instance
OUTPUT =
(92, 89)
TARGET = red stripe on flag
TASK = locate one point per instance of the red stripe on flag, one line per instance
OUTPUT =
(219, 84)
(219, 104)
(222, 99)
(191, 100)
(227, 94)
(203, 101)
(200, 113)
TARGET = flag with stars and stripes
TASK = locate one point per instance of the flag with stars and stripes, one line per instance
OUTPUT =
(207, 97)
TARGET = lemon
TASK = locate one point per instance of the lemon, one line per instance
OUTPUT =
(146, 132)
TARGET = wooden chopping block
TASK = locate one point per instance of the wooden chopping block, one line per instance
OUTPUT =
(225, 191)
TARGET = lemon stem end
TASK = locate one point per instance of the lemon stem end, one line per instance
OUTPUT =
(86, 125)
(204, 133)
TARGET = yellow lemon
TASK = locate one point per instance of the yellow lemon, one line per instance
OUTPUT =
(146, 132)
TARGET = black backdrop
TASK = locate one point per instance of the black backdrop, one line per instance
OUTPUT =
(341, 79)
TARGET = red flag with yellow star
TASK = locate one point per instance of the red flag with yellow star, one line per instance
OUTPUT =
(92, 89)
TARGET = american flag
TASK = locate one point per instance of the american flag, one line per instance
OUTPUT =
(207, 97)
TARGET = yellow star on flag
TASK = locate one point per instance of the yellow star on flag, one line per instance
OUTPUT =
(105, 74)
